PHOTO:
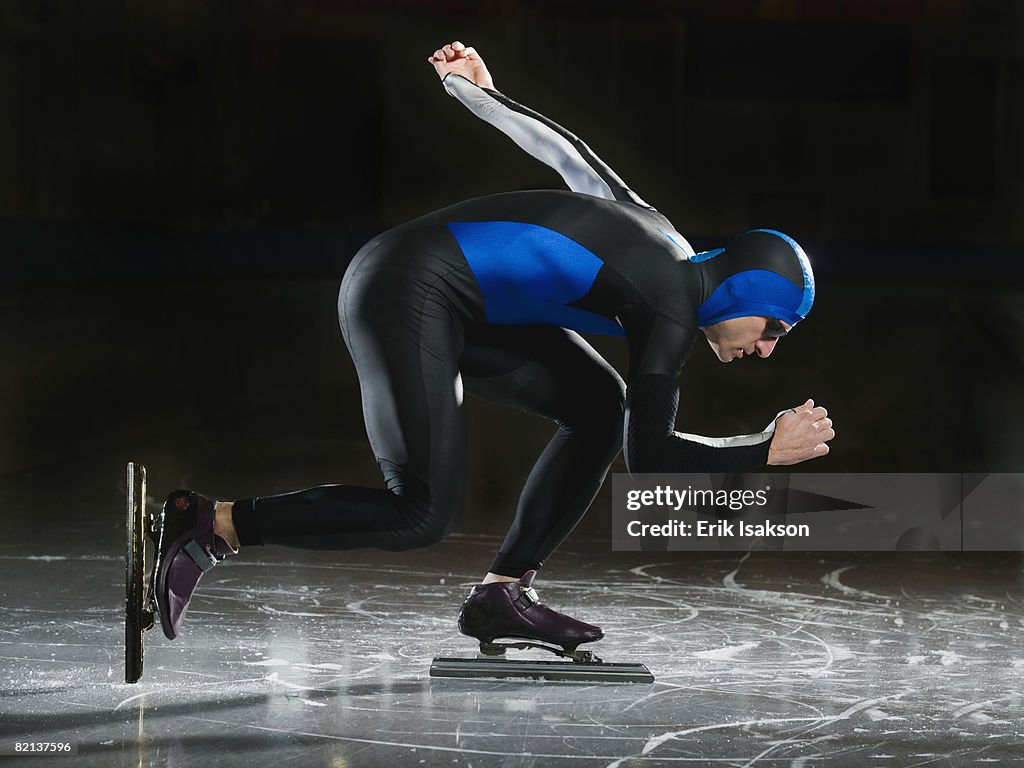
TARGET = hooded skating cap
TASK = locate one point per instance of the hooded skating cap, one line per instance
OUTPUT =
(761, 273)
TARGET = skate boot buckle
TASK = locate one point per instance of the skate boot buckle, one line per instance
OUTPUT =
(528, 596)
(200, 555)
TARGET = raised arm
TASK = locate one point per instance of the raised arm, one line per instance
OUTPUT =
(466, 78)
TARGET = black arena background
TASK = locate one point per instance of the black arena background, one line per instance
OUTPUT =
(182, 185)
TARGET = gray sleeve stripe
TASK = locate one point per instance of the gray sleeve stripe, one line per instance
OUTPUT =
(545, 140)
(737, 440)
(728, 442)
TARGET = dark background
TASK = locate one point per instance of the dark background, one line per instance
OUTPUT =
(182, 184)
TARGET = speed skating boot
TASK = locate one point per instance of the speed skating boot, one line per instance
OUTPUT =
(186, 549)
(513, 610)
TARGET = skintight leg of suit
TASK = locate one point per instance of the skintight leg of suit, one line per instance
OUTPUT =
(553, 373)
(411, 373)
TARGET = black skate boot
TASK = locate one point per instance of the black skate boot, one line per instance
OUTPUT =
(186, 548)
(513, 610)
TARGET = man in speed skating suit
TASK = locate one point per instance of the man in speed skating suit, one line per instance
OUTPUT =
(489, 296)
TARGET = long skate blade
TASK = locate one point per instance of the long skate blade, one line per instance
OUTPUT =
(603, 672)
(136, 622)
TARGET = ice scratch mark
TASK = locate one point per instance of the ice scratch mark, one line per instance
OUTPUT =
(357, 608)
(216, 683)
(880, 714)
(326, 667)
(832, 625)
(462, 751)
(653, 743)
(379, 657)
(818, 722)
(276, 612)
(867, 705)
(830, 654)
(831, 579)
(274, 678)
(766, 595)
(805, 742)
(641, 570)
(724, 654)
(974, 709)
(673, 603)
(130, 699)
(672, 689)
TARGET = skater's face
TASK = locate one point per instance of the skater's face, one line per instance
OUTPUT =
(745, 336)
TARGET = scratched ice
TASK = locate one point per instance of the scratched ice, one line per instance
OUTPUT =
(321, 659)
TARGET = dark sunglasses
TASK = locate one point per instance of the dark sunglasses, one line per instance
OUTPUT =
(773, 329)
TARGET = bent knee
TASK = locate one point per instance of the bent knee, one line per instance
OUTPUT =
(423, 527)
(425, 517)
(431, 532)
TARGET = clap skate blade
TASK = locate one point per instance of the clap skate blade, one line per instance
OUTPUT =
(139, 598)
(585, 666)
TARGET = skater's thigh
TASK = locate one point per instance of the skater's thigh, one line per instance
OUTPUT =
(405, 344)
(543, 369)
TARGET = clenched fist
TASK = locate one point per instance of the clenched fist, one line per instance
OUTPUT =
(457, 58)
(801, 434)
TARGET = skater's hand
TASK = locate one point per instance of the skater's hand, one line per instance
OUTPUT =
(457, 58)
(801, 434)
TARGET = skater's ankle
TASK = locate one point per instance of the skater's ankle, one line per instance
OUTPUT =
(492, 578)
(224, 524)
